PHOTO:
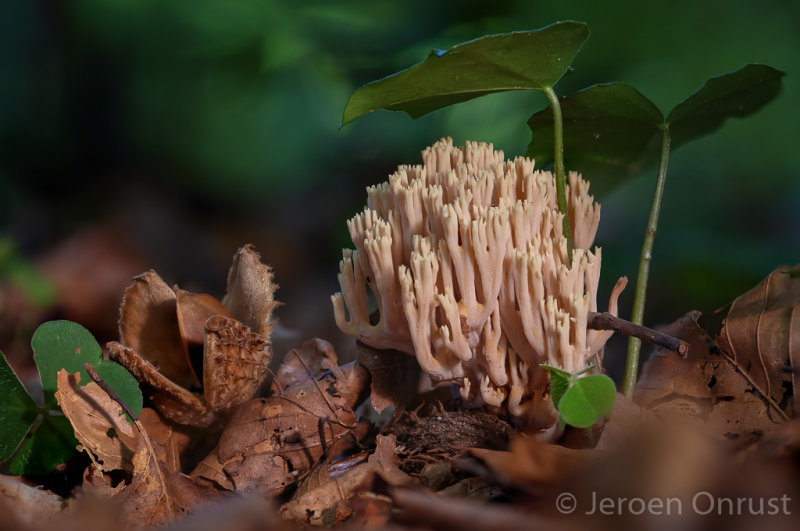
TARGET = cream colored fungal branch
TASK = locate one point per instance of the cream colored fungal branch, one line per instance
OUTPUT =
(465, 263)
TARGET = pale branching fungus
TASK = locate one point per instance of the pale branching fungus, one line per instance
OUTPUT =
(468, 267)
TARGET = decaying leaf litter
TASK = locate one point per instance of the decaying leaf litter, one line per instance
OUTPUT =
(371, 443)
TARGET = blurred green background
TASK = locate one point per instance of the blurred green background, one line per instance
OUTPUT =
(140, 134)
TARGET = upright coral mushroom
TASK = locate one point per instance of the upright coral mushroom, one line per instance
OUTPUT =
(468, 265)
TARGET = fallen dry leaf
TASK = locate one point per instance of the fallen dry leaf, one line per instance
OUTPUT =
(98, 421)
(155, 496)
(235, 362)
(395, 376)
(167, 442)
(270, 443)
(529, 461)
(310, 360)
(251, 291)
(171, 400)
(25, 507)
(320, 493)
(761, 333)
(148, 323)
(705, 386)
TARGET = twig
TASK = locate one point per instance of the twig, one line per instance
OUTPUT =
(111, 393)
(606, 321)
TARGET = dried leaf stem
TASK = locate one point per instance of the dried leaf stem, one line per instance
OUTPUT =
(637, 317)
(607, 321)
(558, 145)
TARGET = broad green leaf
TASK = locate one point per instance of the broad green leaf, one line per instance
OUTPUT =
(63, 345)
(66, 345)
(559, 382)
(587, 399)
(735, 94)
(17, 410)
(51, 444)
(610, 132)
(496, 63)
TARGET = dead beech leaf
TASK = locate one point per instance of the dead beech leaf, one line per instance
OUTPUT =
(310, 360)
(395, 376)
(762, 334)
(269, 443)
(167, 442)
(155, 496)
(251, 291)
(26, 506)
(171, 400)
(148, 323)
(704, 386)
(235, 362)
(529, 461)
(193, 310)
(98, 421)
(319, 494)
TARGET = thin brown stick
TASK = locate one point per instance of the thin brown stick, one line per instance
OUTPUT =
(109, 391)
(606, 321)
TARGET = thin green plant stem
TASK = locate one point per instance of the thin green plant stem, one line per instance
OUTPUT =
(558, 144)
(637, 317)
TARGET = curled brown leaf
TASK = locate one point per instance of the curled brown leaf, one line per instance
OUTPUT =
(148, 323)
(171, 400)
(251, 291)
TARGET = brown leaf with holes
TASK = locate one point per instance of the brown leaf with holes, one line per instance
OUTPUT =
(319, 494)
(148, 323)
(705, 386)
(193, 310)
(235, 362)
(171, 400)
(761, 333)
(99, 422)
(395, 376)
(251, 291)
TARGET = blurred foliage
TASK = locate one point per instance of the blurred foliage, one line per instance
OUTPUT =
(233, 108)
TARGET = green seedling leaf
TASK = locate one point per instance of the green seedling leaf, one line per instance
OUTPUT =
(612, 131)
(559, 382)
(522, 60)
(587, 399)
(66, 345)
(17, 410)
(736, 94)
